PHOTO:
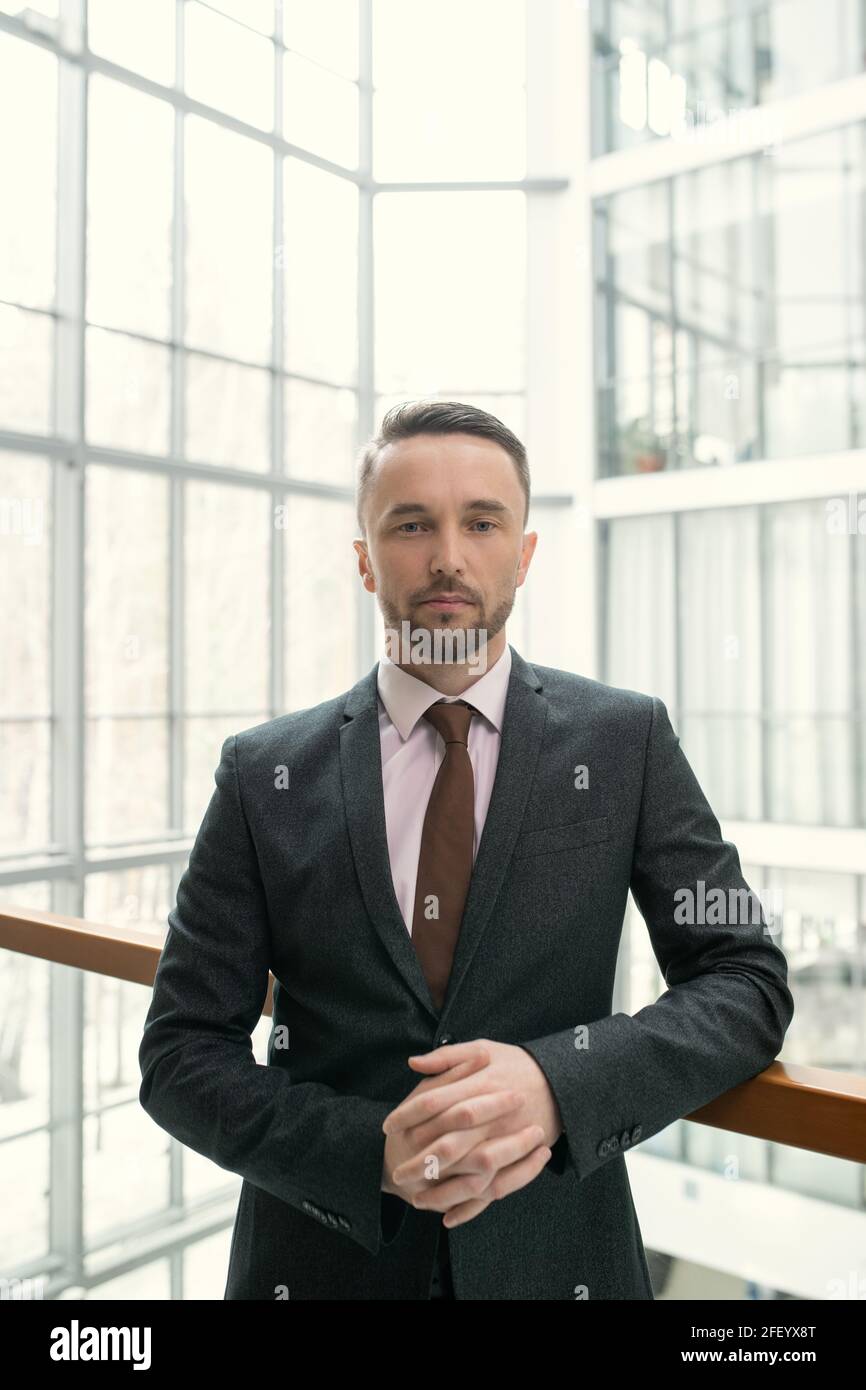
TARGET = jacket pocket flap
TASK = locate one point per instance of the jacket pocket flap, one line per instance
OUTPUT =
(551, 838)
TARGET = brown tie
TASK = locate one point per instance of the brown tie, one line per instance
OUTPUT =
(447, 842)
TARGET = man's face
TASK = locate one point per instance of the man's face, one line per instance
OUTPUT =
(444, 516)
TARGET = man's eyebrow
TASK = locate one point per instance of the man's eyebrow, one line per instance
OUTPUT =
(481, 504)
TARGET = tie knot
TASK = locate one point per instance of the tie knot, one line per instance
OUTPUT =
(451, 720)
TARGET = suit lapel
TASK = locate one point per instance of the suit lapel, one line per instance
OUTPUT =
(364, 799)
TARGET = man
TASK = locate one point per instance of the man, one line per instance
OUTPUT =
(435, 867)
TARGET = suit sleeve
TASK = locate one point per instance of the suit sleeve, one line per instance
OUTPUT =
(727, 1006)
(311, 1146)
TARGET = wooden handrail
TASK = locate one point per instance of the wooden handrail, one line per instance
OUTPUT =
(123, 953)
(804, 1107)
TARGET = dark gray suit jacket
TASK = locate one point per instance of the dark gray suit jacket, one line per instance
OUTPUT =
(297, 881)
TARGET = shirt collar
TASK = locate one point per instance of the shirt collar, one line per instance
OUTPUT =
(406, 698)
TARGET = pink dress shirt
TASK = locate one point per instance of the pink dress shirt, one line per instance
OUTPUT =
(412, 751)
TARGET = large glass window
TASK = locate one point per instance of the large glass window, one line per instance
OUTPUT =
(731, 311)
(203, 312)
(749, 623)
(474, 125)
(673, 70)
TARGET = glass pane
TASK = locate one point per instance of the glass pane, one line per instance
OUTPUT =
(812, 773)
(227, 620)
(126, 780)
(26, 352)
(228, 66)
(551, 642)
(227, 414)
(203, 740)
(464, 254)
(140, 1285)
(28, 176)
(126, 592)
(321, 591)
(25, 1093)
(319, 257)
(202, 1178)
(129, 209)
(126, 1154)
(25, 577)
(136, 34)
(635, 228)
(720, 661)
(480, 130)
(770, 720)
(127, 392)
(327, 32)
(418, 136)
(823, 943)
(816, 334)
(640, 623)
(320, 111)
(678, 69)
(135, 897)
(125, 1161)
(229, 241)
(206, 1262)
(24, 1223)
(25, 756)
(731, 321)
(409, 28)
(321, 426)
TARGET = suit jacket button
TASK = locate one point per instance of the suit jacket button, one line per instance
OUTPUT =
(603, 1149)
(446, 1040)
(614, 1144)
(636, 1134)
(625, 1139)
(346, 1225)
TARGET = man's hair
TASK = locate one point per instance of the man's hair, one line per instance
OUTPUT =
(436, 417)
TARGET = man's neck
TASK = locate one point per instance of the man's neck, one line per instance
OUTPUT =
(455, 678)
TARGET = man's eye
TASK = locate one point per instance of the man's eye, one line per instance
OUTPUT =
(403, 525)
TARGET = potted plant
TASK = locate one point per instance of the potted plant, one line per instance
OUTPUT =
(641, 449)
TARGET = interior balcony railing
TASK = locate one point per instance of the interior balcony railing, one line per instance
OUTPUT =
(809, 1108)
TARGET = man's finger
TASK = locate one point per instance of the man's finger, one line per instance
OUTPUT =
(442, 1057)
(508, 1180)
(423, 1106)
(486, 1109)
(523, 1157)
(491, 1107)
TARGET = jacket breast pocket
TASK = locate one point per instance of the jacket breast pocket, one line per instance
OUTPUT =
(551, 839)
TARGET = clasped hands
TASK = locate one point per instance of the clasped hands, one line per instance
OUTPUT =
(478, 1127)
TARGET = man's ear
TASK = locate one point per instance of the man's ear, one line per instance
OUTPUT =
(530, 540)
(365, 569)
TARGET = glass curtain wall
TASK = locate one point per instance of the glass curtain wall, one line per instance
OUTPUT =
(234, 233)
(730, 368)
